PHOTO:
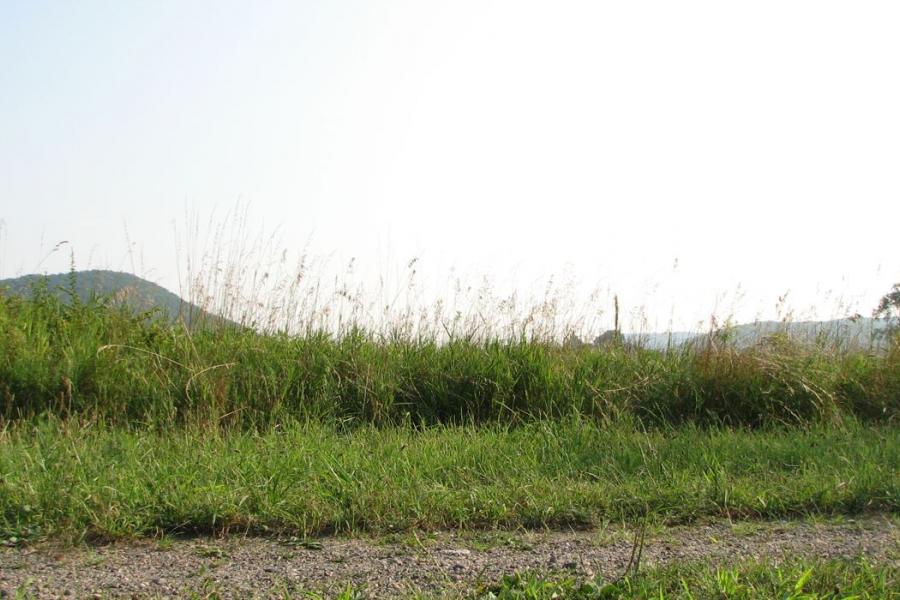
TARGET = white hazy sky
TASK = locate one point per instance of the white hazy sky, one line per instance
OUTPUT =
(669, 152)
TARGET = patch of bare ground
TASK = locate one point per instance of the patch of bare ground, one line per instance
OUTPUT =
(397, 566)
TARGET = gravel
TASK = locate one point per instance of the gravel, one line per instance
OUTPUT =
(241, 567)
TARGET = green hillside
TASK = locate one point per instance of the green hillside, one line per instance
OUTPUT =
(137, 293)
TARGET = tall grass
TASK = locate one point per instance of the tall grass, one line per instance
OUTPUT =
(96, 360)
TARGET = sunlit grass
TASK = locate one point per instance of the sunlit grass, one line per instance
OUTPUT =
(795, 580)
(83, 480)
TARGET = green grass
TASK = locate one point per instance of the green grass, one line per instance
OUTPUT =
(64, 479)
(797, 580)
(114, 425)
(96, 361)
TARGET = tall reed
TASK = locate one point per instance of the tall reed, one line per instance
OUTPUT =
(96, 359)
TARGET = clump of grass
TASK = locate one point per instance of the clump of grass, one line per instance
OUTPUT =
(795, 580)
(95, 360)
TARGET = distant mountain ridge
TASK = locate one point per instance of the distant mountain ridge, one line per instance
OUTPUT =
(855, 332)
(861, 332)
(136, 292)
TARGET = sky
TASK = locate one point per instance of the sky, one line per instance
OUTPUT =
(689, 157)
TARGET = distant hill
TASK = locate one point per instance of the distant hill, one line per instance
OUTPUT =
(860, 332)
(848, 333)
(660, 341)
(138, 293)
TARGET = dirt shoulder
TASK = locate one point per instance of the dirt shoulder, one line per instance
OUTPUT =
(239, 567)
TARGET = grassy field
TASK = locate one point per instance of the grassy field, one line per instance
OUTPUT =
(93, 481)
(115, 425)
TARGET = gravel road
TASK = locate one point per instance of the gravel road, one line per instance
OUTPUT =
(241, 567)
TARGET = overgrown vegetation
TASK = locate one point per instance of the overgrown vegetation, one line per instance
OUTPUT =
(97, 360)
